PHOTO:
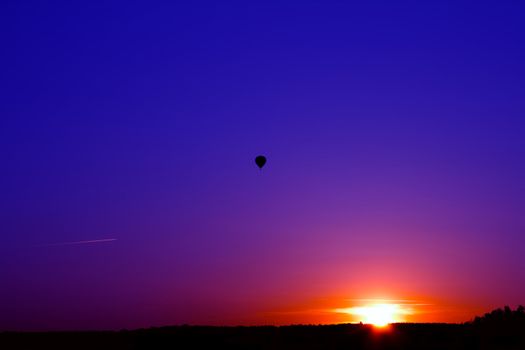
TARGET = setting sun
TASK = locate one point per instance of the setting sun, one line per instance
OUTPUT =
(378, 315)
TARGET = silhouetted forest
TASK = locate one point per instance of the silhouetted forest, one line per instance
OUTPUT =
(499, 329)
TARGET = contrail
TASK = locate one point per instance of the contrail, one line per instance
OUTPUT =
(81, 242)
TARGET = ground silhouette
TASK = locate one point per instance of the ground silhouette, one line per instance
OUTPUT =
(499, 329)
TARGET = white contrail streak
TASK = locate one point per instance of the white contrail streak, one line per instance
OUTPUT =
(81, 242)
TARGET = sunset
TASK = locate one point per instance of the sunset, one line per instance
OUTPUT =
(241, 165)
(378, 315)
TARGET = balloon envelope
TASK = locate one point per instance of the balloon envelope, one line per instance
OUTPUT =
(260, 161)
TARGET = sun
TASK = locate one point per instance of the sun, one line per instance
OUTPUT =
(379, 315)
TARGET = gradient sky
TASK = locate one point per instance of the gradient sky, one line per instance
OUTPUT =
(394, 133)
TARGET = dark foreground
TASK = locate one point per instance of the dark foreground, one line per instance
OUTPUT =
(346, 336)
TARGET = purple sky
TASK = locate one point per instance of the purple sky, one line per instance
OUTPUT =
(395, 141)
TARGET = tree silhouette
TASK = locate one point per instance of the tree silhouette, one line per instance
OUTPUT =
(505, 316)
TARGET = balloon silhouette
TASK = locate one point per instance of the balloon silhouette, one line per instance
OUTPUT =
(260, 161)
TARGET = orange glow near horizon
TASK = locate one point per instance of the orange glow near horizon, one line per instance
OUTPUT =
(379, 313)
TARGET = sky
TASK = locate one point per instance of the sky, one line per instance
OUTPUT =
(394, 133)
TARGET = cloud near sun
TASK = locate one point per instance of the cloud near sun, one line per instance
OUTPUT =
(380, 312)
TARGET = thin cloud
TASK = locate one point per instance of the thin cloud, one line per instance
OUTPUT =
(93, 241)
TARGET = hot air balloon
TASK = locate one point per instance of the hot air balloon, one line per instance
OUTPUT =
(260, 161)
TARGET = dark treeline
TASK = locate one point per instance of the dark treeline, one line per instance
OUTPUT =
(499, 329)
(502, 317)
